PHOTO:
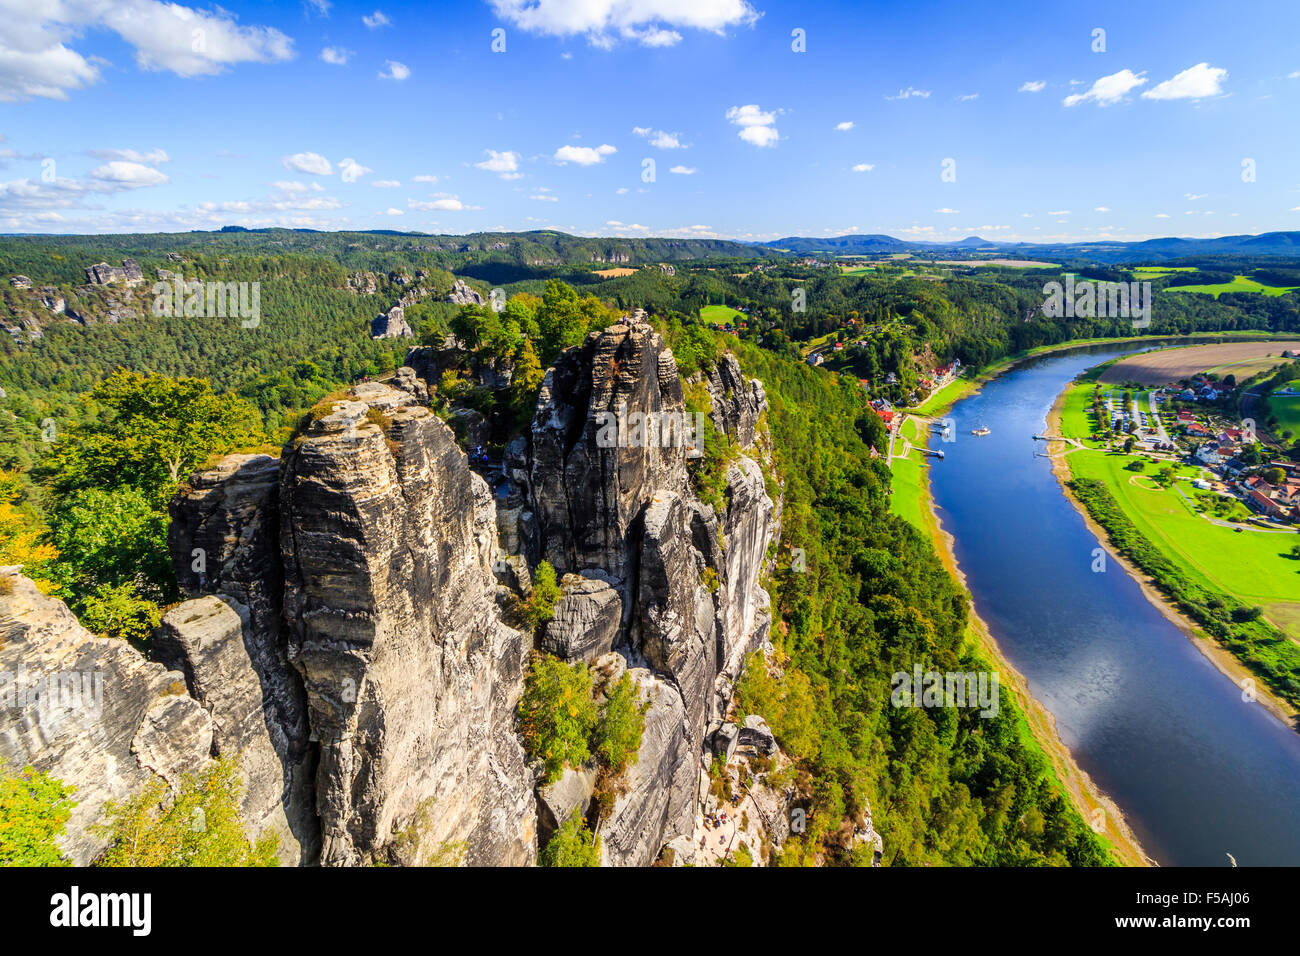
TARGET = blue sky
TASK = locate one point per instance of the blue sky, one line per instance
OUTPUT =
(135, 115)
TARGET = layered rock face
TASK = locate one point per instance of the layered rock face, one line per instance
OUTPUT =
(607, 493)
(411, 678)
(225, 541)
(589, 483)
(89, 711)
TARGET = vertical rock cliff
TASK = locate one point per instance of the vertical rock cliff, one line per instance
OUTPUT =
(388, 540)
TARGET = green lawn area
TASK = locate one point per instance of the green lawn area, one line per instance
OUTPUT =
(720, 314)
(951, 393)
(910, 483)
(1141, 271)
(1076, 414)
(1238, 284)
(1250, 565)
(1287, 411)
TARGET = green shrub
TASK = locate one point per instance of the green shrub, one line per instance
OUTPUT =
(621, 724)
(557, 714)
(572, 845)
(34, 808)
(199, 827)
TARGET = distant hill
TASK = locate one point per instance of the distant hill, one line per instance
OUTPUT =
(1266, 244)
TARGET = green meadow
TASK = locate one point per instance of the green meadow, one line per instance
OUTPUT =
(720, 314)
(1238, 284)
(909, 484)
(1287, 411)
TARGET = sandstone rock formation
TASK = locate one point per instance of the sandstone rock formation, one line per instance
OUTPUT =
(391, 325)
(344, 631)
(586, 621)
(92, 712)
(412, 679)
(462, 294)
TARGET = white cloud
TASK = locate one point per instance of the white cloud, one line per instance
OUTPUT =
(128, 174)
(444, 203)
(652, 23)
(335, 55)
(1108, 90)
(756, 126)
(658, 138)
(1193, 83)
(683, 170)
(386, 183)
(393, 211)
(153, 157)
(1102, 209)
(312, 163)
(948, 212)
(1032, 86)
(36, 59)
(376, 20)
(1162, 215)
(425, 179)
(583, 155)
(393, 70)
(1058, 212)
(864, 167)
(1192, 197)
(351, 170)
(543, 197)
(846, 125)
(504, 164)
(910, 92)
(297, 187)
(967, 97)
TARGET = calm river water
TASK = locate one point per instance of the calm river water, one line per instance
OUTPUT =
(1197, 771)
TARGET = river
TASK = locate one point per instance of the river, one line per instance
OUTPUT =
(1197, 771)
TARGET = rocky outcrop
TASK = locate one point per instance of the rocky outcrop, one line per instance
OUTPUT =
(101, 273)
(586, 621)
(658, 801)
(748, 527)
(391, 325)
(225, 540)
(92, 712)
(675, 627)
(589, 483)
(737, 402)
(462, 294)
(209, 641)
(388, 540)
(558, 801)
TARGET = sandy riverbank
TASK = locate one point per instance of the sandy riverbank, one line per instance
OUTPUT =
(1218, 655)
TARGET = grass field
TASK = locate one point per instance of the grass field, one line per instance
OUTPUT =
(720, 314)
(1250, 565)
(1142, 272)
(1238, 284)
(1287, 411)
(909, 495)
